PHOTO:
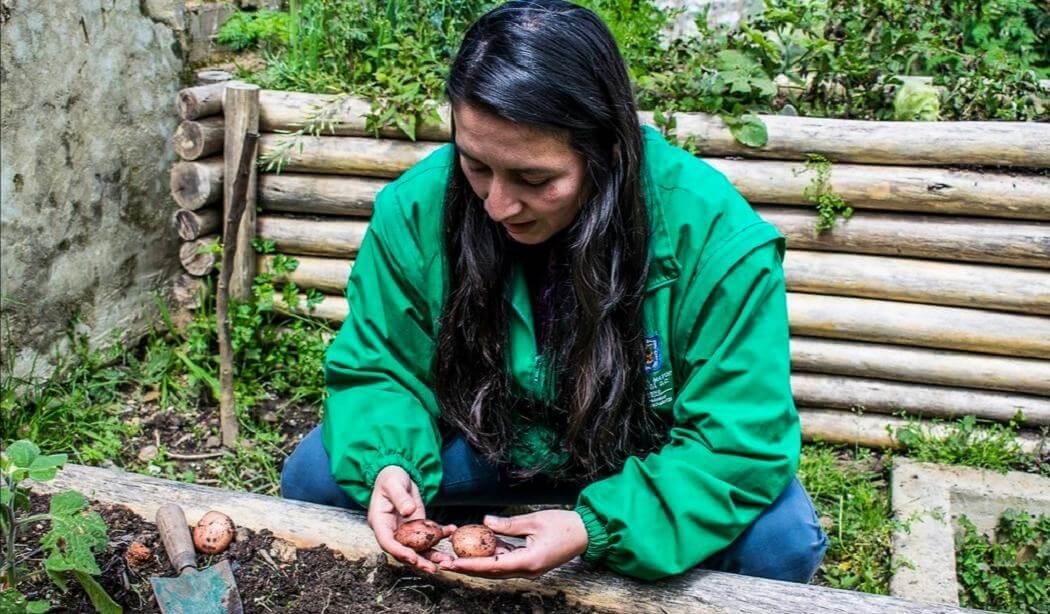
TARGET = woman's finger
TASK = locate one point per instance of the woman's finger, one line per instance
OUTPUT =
(436, 556)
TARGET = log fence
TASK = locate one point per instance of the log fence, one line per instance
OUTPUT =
(931, 301)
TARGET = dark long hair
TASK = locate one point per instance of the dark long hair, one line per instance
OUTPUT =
(554, 65)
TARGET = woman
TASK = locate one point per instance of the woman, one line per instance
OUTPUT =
(560, 306)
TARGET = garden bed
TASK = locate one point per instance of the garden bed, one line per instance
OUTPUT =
(272, 575)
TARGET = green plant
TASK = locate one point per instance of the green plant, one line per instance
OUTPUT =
(829, 204)
(966, 442)
(1009, 573)
(74, 537)
(250, 30)
(848, 488)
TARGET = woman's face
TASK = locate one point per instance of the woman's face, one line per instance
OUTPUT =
(531, 180)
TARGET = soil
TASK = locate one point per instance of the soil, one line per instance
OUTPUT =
(272, 576)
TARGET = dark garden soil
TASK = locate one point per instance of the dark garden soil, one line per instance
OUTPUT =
(272, 576)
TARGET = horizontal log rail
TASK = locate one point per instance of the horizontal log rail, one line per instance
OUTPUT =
(197, 183)
(306, 237)
(791, 138)
(930, 326)
(319, 194)
(1025, 244)
(885, 397)
(200, 101)
(898, 188)
(329, 275)
(921, 365)
(880, 431)
(197, 257)
(199, 138)
(194, 224)
(344, 155)
(919, 281)
(307, 525)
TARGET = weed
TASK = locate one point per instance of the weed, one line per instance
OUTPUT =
(1009, 573)
(829, 204)
(966, 442)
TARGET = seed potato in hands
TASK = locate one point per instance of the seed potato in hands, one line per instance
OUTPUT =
(473, 540)
(419, 535)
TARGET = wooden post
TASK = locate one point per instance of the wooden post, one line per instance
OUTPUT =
(241, 111)
(230, 241)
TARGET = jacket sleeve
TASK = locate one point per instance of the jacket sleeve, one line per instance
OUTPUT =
(380, 409)
(734, 445)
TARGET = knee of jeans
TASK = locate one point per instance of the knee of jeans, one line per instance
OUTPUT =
(786, 544)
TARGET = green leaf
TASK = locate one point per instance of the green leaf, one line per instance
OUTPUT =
(5, 495)
(73, 539)
(59, 578)
(749, 130)
(67, 503)
(98, 595)
(22, 453)
(44, 468)
(38, 606)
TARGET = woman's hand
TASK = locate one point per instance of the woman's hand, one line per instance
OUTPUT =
(395, 501)
(552, 537)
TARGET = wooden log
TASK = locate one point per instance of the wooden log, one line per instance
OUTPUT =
(198, 138)
(186, 292)
(947, 143)
(931, 326)
(331, 308)
(919, 281)
(241, 117)
(200, 101)
(207, 77)
(319, 194)
(899, 188)
(923, 400)
(329, 275)
(197, 183)
(344, 155)
(880, 431)
(921, 365)
(289, 111)
(198, 257)
(790, 138)
(1025, 244)
(307, 525)
(193, 224)
(297, 236)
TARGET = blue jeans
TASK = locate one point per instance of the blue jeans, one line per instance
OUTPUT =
(786, 542)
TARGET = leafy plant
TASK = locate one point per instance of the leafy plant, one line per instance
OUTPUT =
(1007, 573)
(250, 30)
(829, 204)
(74, 537)
(966, 442)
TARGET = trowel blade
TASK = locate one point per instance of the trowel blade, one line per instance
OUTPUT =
(208, 591)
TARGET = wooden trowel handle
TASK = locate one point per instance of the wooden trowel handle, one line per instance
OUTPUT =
(175, 533)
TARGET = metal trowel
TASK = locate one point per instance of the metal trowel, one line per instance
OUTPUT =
(207, 591)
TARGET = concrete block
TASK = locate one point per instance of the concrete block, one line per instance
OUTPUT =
(929, 499)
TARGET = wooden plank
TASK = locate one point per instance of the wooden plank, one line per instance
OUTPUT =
(919, 281)
(898, 188)
(340, 238)
(790, 138)
(949, 328)
(241, 113)
(922, 400)
(921, 365)
(307, 525)
(319, 194)
(962, 239)
(880, 431)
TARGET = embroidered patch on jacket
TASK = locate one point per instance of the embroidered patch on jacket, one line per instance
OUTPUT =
(653, 356)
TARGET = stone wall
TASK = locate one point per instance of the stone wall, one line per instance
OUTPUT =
(88, 90)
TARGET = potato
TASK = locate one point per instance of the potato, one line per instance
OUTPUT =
(419, 535)
(474, 540)
(213, 533)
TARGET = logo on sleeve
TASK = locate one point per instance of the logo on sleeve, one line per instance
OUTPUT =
(653, 355)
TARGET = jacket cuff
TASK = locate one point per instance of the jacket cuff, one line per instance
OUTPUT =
(384, 460)
(597, 537)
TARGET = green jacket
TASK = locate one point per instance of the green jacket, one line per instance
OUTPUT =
(716, 321)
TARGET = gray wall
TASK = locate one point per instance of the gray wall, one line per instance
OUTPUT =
(87, 91)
